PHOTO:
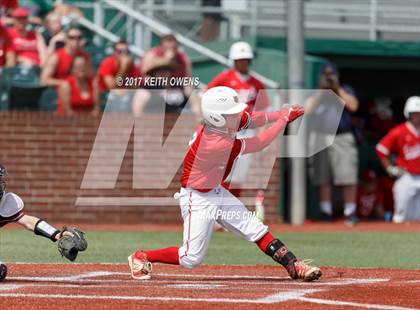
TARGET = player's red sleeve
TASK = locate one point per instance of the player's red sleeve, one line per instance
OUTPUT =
(260, 119)
(387, 144)
(105, 68)
(219, 80)
(257, 119)
(262, 140)
(263, 101)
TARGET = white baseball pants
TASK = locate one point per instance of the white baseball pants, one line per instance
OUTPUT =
(201, 210)
(407, 198)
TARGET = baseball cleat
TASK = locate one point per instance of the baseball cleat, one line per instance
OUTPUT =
(300, 269)
(351, 220)
(140, 268)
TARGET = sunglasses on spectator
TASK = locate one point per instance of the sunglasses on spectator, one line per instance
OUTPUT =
(74, 37)
(122, 50)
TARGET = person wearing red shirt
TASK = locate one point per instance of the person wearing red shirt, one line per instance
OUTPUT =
(403, 141)
(210, 157)
(78, 94)
(6, 50)
(248, 87)
(28, 46)
(119, 64)
(251, 91)
(168, 49)
(7, 6)
(58, 66)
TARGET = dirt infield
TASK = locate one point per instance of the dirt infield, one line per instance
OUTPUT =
(109, 286)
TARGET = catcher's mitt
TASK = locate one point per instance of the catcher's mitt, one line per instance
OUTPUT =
(69, 246)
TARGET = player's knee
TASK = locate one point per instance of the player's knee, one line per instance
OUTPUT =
(191, 260)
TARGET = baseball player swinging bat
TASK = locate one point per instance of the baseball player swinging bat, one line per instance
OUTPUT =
(211, 154)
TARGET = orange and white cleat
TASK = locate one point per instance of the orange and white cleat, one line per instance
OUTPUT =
(300, 269)
(141, 269)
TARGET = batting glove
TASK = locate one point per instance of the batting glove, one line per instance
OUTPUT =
(395, 171)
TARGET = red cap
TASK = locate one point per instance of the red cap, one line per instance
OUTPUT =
(20, 12)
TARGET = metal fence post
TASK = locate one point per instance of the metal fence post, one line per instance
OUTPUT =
(373, 20)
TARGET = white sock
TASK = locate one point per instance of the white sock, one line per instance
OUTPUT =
(349, 208)
(326, 207)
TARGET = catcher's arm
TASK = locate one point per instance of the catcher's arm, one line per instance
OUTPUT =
(70, 240)
(41, 227)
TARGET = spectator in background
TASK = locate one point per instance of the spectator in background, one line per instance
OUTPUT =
(339, 162)
(155, 99)
(403, 141)
(169, 49)
(370, 201)
(58, 66)
(7, 57)
(119, 64)
(78, 93)
(53, 35)
(28, 46)
(6, 7)
(210, 25)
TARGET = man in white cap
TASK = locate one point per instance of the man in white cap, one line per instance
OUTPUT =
(251, 91)
(403, 141)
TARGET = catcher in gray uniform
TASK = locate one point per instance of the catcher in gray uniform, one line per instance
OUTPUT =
(70, 240)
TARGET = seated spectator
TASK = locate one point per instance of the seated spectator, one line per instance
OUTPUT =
(119, 64)
(6, 52)
(168, 49)
(58, 66)
(28, 46)
(161, 98)
(6, 7)
(53, 35)
(370, 200)
(78, 94)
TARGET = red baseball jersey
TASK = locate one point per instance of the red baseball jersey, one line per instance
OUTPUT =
(249, 89)
(403, 141)
(77, 101)
(211, 155)
(25, 46)
(64, 62)
(5, 45)
(110, 67)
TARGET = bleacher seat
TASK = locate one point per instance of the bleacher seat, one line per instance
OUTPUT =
(48, 100)
(21, 89)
